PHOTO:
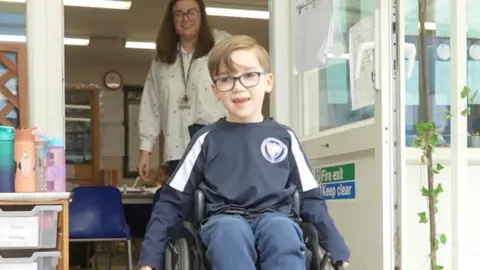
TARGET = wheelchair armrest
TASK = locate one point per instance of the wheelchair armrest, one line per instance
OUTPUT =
(310, 236)
(296, 202)
(200, 207)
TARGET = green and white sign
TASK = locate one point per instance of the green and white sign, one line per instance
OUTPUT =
(337, 182)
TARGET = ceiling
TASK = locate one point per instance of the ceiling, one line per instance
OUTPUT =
(108, 29)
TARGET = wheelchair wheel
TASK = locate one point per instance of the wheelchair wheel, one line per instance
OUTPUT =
(182, 253)
(169, 257)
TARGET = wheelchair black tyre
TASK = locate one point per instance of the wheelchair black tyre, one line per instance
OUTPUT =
(183, 257)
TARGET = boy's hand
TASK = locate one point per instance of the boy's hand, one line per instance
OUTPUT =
(146, 268)
(340, 265)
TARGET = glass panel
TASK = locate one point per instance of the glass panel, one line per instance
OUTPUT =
(78, 142)
(12, 21)
(437, 52)
(77, 99)
(322, 61)
(84, 114)
(473, 72)
(78, 128)
(7, 107)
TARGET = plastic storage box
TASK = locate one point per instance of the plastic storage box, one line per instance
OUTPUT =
(35, 229)
(38, 261)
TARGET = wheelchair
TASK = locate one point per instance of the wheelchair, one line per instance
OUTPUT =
(179, 255)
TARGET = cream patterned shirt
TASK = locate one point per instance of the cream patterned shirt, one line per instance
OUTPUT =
(160, 110)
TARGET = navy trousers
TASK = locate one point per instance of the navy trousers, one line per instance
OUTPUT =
(271, 241)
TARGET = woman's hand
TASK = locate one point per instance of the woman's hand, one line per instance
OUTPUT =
(143, 168)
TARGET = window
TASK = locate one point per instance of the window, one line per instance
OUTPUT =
(323, 63)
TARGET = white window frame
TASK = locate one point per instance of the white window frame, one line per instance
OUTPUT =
(459, 151)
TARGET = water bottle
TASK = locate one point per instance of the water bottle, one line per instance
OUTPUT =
(25, 177)
(56, 166)
(7, 160)
(40, 152)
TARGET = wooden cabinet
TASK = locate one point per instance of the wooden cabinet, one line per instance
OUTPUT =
(82, 135)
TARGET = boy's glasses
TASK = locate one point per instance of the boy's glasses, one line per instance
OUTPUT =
(249, 79)
(191, 15)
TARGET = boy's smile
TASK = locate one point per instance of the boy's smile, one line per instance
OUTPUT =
(240, 101)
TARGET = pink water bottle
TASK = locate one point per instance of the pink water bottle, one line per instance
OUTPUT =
(25, 177)
(56, 166)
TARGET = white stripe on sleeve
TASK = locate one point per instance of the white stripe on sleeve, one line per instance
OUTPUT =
(307, 180)
(181, 177)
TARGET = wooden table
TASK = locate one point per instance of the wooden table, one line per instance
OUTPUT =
(137, 198)
(47, 198)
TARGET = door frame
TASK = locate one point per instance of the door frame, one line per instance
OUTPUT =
(328, 146)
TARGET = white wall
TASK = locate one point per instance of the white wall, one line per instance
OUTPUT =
(94, 74)
(358, 219)
(417, 245)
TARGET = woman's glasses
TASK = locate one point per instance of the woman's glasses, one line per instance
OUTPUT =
(191, 15)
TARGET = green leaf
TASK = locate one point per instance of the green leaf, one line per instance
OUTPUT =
(471, 98)
(434, 140)
(417, 143)
(439, 167)
(447, 115)
(424, 159)
(439, 267)
(467, 111)
(423, 217)
(443, 239)
(424, 192)
(421, 127)
(465, 92)
(438, 190)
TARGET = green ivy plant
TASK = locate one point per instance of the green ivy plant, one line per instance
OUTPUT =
(426, 140)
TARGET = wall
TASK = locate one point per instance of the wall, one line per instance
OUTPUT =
(417, 235)
(94, 74)
(133, 75)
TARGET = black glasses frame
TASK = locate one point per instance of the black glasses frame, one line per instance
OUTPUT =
(191, 14)
(239, 79)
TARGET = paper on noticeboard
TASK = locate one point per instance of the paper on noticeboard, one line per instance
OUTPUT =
(361, 89)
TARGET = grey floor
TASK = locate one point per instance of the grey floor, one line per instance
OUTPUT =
(119, 256)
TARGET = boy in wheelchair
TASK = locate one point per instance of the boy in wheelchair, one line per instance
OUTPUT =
(248, 168)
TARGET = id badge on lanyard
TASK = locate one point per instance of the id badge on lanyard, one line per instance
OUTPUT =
(185, 101)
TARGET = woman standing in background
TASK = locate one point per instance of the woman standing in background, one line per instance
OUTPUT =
(177, 98)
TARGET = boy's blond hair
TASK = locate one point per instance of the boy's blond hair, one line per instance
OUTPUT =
(220, 55)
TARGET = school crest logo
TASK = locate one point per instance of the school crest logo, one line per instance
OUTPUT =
(274, 150)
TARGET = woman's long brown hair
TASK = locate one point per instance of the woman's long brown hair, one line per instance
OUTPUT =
(167, 38)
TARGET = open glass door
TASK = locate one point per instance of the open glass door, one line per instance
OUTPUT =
(347, 83)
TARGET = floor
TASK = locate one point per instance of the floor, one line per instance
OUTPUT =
(119, 256)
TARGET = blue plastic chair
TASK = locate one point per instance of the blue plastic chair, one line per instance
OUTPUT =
(96, 215)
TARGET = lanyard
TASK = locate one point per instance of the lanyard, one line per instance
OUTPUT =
(185, 76)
